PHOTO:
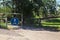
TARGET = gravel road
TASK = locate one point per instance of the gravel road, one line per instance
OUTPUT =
(22, 34)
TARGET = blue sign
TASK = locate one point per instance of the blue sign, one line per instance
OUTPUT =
(14, 21)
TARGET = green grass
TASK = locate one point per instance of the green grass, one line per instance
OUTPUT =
(3, 25)
(52, 23)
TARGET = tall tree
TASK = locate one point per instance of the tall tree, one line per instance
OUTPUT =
(26, 7)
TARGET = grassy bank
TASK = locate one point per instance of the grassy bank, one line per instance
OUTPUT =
(3, 25)
(52, 23)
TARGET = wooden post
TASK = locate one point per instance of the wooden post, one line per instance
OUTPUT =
(6, 21)
(21, 20)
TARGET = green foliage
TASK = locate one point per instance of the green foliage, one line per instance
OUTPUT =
(34, 8)
(49, 7)
(5, 10)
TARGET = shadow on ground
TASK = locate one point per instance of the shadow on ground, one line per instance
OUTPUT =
(42, 28)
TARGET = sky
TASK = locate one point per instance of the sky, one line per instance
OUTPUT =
(58, 1)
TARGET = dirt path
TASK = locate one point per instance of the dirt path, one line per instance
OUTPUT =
(22, 34)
